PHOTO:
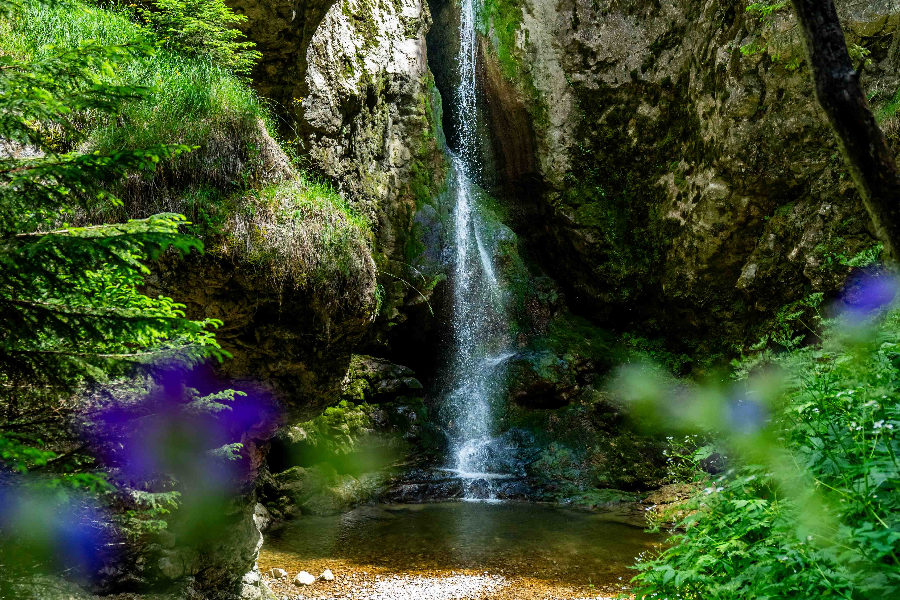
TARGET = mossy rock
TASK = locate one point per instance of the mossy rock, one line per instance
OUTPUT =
(371, 379)
(321, 490)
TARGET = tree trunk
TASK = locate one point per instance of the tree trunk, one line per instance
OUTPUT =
(862, 142)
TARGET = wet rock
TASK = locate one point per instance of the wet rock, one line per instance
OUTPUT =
(277, 573)
(261, 517)
(657, 98)
(327, 575)
(371, 379)
(304, 578)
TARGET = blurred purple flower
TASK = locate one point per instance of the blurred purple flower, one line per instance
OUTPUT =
(868, 295)
(49, 531)
(165, 435)
(746, 414)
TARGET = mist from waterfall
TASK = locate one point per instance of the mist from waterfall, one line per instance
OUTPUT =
(479, 324)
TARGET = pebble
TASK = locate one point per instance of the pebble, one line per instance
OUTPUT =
(327, 575)
(379, 583)
(304, 578)
(277, 573)
(411, 587)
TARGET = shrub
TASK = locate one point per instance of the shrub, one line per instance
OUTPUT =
(202, 29)
(811, 506)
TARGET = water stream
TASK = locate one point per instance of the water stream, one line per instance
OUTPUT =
(480, 325)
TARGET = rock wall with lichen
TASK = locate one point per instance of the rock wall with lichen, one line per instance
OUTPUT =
(354, 94)
(669, 159)
(367, 123)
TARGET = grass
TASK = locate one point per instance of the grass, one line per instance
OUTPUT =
(302, 233)
(189, 96)
(238, 187)
(191, 102)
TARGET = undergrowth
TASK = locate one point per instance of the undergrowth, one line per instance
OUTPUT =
(190, 101)
(304, 234)
(811, 504)
(189, 95)
(300, 232)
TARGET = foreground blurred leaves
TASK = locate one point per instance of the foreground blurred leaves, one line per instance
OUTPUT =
(810, 505)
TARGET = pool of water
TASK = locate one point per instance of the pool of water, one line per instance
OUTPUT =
(516, 539)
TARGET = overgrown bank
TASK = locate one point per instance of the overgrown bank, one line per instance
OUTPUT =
(809, 505)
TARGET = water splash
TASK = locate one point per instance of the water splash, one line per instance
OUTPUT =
(480, 325)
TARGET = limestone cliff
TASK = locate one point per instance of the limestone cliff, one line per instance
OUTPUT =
(355, 94)
(678, 174)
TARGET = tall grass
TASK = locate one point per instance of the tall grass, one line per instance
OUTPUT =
(303, 234)
(238, 188)
(190, 97)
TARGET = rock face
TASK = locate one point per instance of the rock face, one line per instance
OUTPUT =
(368, 124)
(282, 31)
(351, 82)
(372, 379)
(677, 170)
(290, 338)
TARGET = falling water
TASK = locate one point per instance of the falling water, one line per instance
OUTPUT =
(480, 327)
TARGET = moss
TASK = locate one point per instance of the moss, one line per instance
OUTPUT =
(302, 234)
(569, 336)
(500, 21)
(612, 187)
(587, 446)
(337, 430)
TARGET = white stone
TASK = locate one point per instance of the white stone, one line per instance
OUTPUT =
(304, 578)
(261, 517)
(327, 575)
(277, 573)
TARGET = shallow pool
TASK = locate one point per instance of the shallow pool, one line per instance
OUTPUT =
(534, 541)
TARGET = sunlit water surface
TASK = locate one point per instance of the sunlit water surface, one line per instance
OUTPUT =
(519, 540)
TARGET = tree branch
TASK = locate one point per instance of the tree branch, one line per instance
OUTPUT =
(862, 142)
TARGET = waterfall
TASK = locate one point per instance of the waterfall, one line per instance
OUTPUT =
(480, 327)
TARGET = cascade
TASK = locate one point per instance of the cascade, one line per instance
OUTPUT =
(480, 325)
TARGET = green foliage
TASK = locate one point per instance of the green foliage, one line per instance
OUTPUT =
(812, 505)
(209, 404)
(71, 309)
(656, 351)
(148, 512)
(203, 29)
(835, 257)
(791, 326)
(765, 11)
(684, 457)
(185, 99)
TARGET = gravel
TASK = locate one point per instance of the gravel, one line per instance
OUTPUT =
(411, 587)
(360, 584)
